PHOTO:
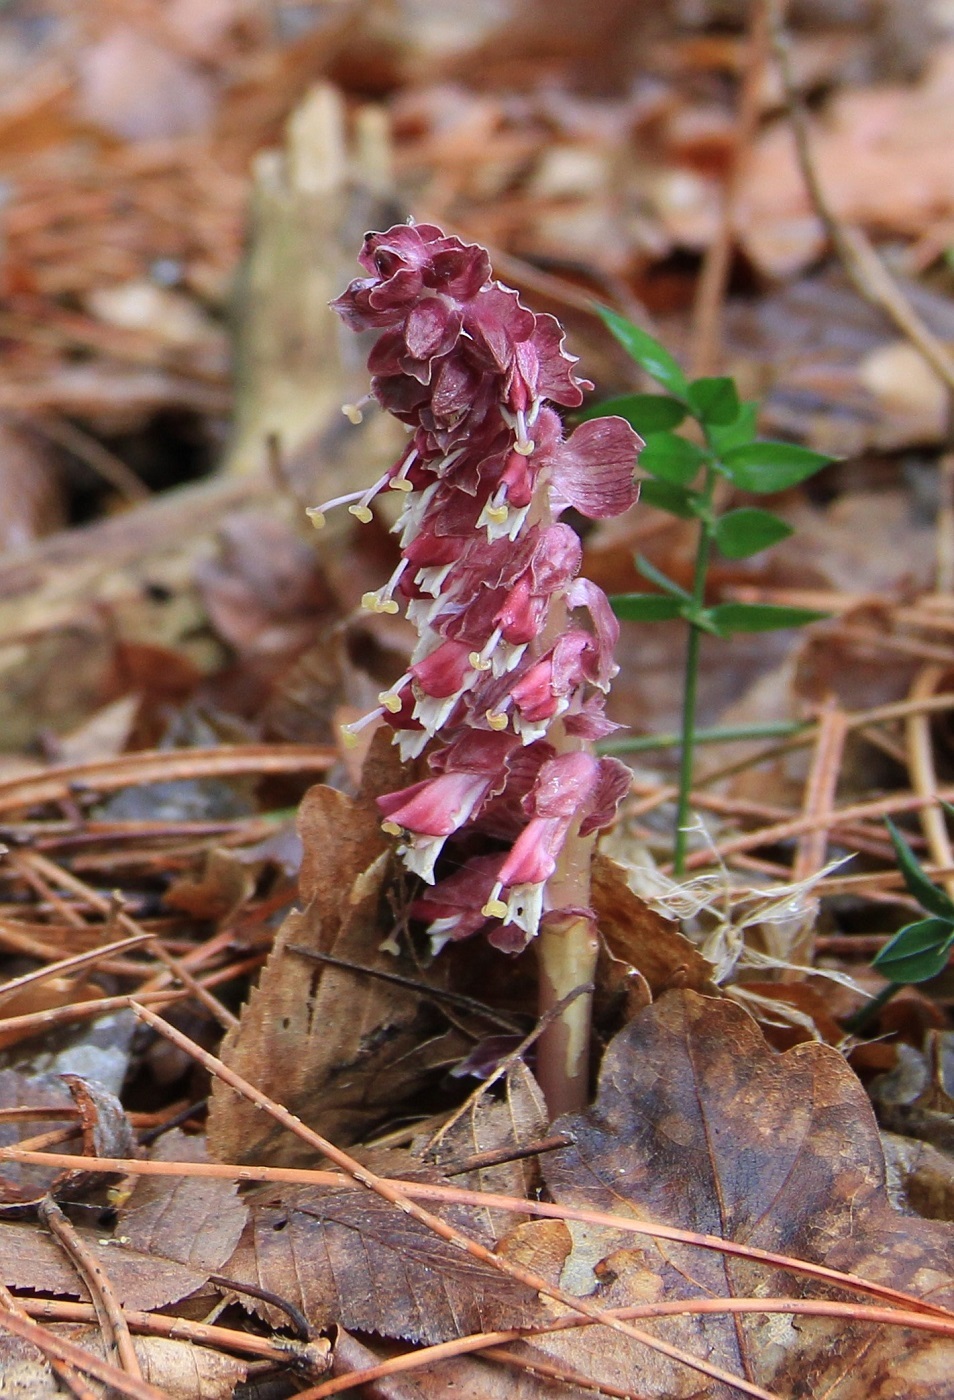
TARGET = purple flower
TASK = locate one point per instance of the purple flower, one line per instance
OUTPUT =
(507, 683)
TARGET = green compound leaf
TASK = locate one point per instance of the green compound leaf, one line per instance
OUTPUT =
(671, 458)
(664, 496)
(741, 533)
(727, 618)
(654, 358)
(661, 580)
(646, 607)
(737, 434)
(647, 413)
(934, 900)
(764, 467)
(917, 951)
(715, 402)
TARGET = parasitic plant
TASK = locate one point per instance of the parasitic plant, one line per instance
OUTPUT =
(505, 692)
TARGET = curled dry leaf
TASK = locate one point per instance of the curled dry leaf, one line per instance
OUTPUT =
(637, 935)
(699, 1125)
(337, 1048)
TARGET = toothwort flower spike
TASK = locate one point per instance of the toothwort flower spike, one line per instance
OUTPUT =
(507, 684)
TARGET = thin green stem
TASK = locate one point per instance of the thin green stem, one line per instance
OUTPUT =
(863, 1018)
(691, 677)
(728, 734)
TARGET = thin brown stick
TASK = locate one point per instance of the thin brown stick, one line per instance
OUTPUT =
(431, 1191)
(110, 1314)
(281, 1350)
(85, 1361)
(486, 1342)
(16, 1028)
(714, 277)
(55, 874)
(56, 969)
(820, 793)
(388, 1192)
(161, 766)
(784, 831)
(922, 772)
(865, 269)
(68, 1374)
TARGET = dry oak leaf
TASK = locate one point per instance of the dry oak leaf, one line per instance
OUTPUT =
(346, 1256)
(338, 1049)
(699, 1124)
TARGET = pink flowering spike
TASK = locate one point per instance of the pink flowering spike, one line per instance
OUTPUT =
(510, 638)
(613, 783)
(593, 471)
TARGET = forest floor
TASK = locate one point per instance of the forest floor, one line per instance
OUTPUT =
(322, 1160)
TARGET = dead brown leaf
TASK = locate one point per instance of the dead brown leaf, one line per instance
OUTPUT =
(698, 1124)
(339, 1049)
(345, 1256)
(195, 1221)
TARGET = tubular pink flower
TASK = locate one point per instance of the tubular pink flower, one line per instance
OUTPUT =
(507, 683)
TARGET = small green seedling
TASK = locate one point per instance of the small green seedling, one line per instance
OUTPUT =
(682, 479)
(920, 950)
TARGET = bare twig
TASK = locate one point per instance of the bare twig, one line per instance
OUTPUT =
(162, 766)
(110, 1314)
(63, 1350)
(866, 270)
(711, 289)
(922, 772)
(68, 1374)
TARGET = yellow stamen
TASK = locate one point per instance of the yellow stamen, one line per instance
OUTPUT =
(400, 483)
(316, 516)
(353, 413)
(478, 662)
(497, 514)
(391, 828)
(524, 449)
(390, 701)
(348, 738)
(496, 721)
(361, 513)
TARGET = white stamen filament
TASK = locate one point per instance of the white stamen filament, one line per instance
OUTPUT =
(399, 481)
(349, 732)
(382, 601)
(391, 699)
(495, 907)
